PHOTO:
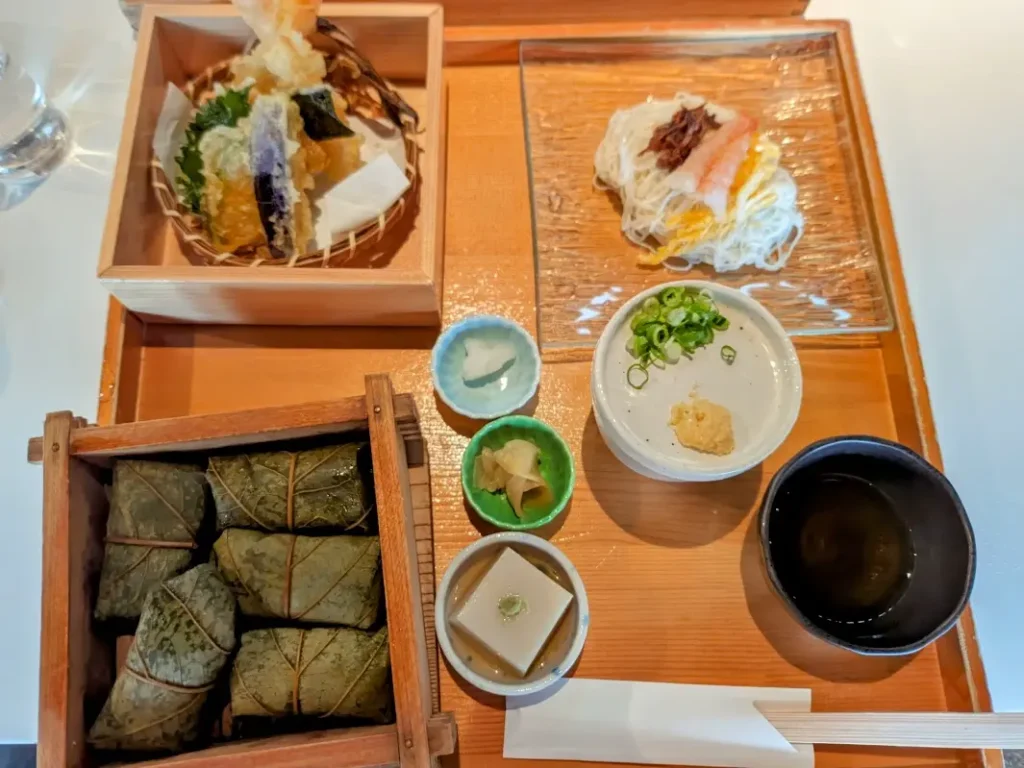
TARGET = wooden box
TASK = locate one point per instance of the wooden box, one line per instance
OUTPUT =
(394, 282)
(78, 657)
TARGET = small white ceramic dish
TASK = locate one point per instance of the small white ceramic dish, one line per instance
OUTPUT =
(505, 394)
(452, 591)
(762, 390)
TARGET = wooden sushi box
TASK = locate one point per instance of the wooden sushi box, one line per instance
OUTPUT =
(145, 265)
(78, 661)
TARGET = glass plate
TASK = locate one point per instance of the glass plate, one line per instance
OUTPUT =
(585, 265)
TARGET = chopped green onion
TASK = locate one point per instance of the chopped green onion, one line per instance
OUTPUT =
(637, 346)
(673, 324)
(671, 297)
(511, 606)
(657, 334)
(634, 381)
(672, 350)
(728, 354)
(688, 339)
(676, 316)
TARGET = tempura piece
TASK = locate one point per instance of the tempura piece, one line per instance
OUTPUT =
(228, 200)
(343, 157)
(284, 60)
(280, 174)
(274, 18)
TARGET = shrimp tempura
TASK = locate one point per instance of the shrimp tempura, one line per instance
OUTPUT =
(283, 59)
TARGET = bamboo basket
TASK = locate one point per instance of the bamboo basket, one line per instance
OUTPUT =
(353, 77)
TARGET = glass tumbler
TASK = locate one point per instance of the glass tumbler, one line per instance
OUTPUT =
(34, 135)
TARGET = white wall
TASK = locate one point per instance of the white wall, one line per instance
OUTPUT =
(945, 84)
(52, 308)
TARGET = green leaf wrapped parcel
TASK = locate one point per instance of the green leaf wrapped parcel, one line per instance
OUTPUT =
(156, 510)
(186, 635)
(317, 580)
(327, 672)
(321, 488)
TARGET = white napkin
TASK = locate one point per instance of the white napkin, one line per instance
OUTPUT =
(359, 198)
(655, 724)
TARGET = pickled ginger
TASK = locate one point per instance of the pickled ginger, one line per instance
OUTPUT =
(513, 468)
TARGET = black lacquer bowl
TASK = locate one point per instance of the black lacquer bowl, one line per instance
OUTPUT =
(868, 545)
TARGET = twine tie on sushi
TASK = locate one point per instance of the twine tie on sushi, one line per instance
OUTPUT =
(153, 543)
(186, 689)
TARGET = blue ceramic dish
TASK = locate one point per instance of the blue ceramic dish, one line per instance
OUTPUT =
(507, 392)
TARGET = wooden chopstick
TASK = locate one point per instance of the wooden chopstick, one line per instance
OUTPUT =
(952, 730)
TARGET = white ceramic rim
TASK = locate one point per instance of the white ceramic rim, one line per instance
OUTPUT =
(657, 465)
(630, 462)
(580, 595)
(454, 330)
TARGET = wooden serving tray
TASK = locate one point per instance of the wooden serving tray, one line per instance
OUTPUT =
(673, 572)
(393, 281)
(78, 662)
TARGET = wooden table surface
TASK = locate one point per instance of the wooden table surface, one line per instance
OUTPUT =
(673, 572)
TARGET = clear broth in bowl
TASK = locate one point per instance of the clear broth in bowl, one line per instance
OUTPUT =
(482, 661)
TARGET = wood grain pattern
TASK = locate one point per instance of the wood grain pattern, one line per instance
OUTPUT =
(673, 572)
(423, 522)
(57, 742)
(394, 281)
(406, 636)
(947, 730)
(465, 12)
(74, 667)
(498, 42)
(208, 432)
(346, 748)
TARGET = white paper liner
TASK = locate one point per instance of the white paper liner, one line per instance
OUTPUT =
(169, 133)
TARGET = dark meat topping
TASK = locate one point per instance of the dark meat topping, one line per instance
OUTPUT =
(676, 139)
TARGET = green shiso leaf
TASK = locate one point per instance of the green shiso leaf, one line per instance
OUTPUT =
(226, 109)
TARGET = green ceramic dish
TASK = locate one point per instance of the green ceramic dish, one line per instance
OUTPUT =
(556, 468)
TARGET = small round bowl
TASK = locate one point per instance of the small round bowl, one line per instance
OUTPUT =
(868, 545)
(762, 389)
(556, 467)
(509, 392)
(568, 650)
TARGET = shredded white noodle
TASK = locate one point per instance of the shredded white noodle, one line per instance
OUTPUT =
(761, 228)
